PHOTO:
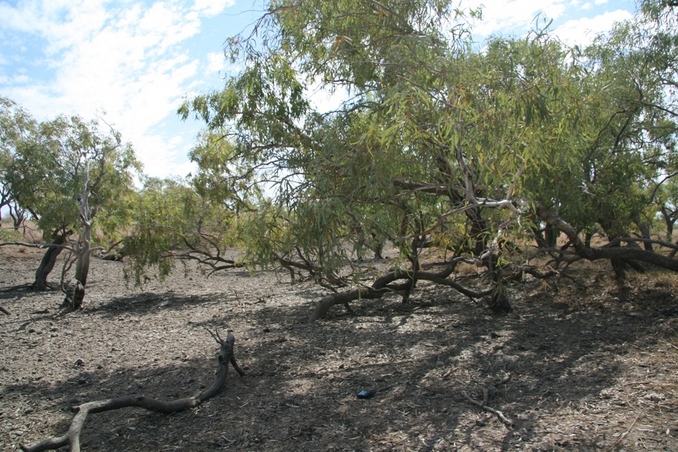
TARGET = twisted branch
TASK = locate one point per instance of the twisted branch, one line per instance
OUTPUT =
(72, 437)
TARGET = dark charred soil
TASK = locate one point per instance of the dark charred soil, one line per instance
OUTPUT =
(588, 367)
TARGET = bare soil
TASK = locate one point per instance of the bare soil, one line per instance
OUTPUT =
(591, 366)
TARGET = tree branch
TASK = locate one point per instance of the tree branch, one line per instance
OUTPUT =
(72, 437)
(384, 285)
(607, 252)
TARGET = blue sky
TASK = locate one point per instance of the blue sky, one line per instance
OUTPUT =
(132, 62)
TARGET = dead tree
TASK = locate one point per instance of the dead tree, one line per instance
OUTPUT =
(72, 437)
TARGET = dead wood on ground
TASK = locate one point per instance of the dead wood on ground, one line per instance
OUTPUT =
(72, 437)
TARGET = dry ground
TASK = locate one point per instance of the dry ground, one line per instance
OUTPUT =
(590, 368)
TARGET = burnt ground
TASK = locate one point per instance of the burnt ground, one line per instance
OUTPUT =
(587, 367)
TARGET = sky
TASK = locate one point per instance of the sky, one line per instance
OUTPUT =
(133, 62)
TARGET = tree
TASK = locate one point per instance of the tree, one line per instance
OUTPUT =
(173, 222)
(15, 123)
(440, 146)
(16, 212)
(665, 197)
(66, 172)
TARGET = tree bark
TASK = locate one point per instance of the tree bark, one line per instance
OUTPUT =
(48, 261)
(75, 299)
(72, 437)
(669, 221)
(84, 245)
(611, 251)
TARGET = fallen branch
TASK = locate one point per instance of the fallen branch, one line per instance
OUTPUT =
(4, 311)
(72, 437)
(499, 414)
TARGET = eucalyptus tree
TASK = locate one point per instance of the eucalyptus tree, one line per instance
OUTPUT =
(665, 198)
(180, 220)
(630, 88)
(68, 174)
(436, 145)
(15, 123)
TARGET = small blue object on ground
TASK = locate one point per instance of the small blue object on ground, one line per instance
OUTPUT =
(366, 394)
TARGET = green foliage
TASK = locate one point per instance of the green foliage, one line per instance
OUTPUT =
(173, 221)
(10, 235)
(434, 137)
(44, 166)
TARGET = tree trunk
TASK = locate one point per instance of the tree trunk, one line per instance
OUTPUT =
(500, 301)
(669, 220)
(614, 232)
(18, 218)
(48, 261)
(84, 244)
(82, 266)
(547, 237)
(644, 229)
(478, 230)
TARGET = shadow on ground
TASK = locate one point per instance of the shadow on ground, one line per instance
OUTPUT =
(564, 377)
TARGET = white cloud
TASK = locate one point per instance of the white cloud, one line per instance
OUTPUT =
(583, 31)
(517, 17)
(123, 57)
(163, 156)
(63, 23)
(211, 7)
(216, 62)
(325, 100)
(508, 15)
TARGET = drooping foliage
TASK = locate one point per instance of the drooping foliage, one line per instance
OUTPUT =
(175, 221)
(45, 165)
(438, 143)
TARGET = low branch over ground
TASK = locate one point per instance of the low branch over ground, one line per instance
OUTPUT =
(607, 252)
(72, 437)
(384, 285)
(37, 245)
(403, 281)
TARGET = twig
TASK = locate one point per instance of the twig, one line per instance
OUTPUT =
(499, 414)
(5, 311)
(623, 435)
(670, 344)
(215, 336)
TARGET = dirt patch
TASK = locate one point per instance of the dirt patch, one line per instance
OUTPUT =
(580, 369)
